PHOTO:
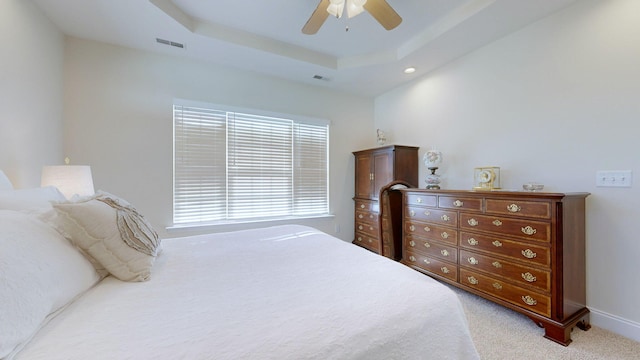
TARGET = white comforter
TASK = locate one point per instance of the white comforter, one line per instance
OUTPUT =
(285, 292)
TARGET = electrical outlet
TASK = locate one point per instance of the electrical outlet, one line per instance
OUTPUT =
(613, 178)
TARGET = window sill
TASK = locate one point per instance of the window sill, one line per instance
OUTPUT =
(220, 224)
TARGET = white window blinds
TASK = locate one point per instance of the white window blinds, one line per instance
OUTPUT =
(231, 166)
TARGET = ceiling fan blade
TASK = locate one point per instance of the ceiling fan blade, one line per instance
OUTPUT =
(384, 13)
(318, 17)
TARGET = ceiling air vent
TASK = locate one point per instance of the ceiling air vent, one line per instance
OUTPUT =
(170, 43)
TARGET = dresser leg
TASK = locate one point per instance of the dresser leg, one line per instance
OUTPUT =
(561, 332)
(584, 324)
(561, 335)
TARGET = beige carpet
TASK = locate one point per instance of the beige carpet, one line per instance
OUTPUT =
(500, 333)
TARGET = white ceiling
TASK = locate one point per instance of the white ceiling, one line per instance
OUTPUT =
(265, 36)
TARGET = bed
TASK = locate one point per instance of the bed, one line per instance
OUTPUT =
(281, 292)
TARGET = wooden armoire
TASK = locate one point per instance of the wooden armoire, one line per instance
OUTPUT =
(375, 168)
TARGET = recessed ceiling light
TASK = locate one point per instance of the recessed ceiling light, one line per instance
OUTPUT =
(409, 70)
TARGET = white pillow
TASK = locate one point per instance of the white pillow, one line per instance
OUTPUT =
(40, 272)
(35, 200)
(112, 233)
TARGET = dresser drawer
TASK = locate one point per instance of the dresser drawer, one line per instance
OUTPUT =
(366, 216)
(521, 208)
(431, 248)
(432, 265)
(516, 295)
(431, 232)
(367, 206)
(518, 250)
(371, 243)
(421, 199)
(370, 229)
(444, 217)
(527, 229)
(460, 203)
(523, 275)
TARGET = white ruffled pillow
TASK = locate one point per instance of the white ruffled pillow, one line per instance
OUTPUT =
(111, 233)
(40, 273)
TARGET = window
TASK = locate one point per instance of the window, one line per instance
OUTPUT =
(243, 165)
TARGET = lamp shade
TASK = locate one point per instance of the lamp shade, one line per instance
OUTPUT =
(69, 179)
(5, 183)
(432, 158)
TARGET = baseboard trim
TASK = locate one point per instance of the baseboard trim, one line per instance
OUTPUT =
(616, 324)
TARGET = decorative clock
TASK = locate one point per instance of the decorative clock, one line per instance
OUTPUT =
(486, 178)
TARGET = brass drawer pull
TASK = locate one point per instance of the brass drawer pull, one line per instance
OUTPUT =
(497, 222)
(360, 227)
(359, 238)
(473, 222)
(529, 254)
(412, 243)
(529, 277)
(360, 216)
(419, 200)
(472, 261)
(445, 269)
(426, 261)
(412, 228)
(472, 280)
(427, 229)
(427, 245)
(371, 216)
(361, 206)
(427, 213)
(370, 240)
(412, 258)
(497, 243)
(513, 208)
(445, 235)
(412, 213)
(528, 230)
(496, 264)
(458, 203)
(497, 286)
(472, 241)
(445, 218)
(444, 252)
(529, 300)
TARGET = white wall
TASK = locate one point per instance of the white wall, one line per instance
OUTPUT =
(31, 62)
(118, 119)
(552, 103)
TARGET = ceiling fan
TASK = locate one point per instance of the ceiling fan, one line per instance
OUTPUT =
(379, 9)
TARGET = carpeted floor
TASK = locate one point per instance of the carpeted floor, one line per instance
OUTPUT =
(500, 333)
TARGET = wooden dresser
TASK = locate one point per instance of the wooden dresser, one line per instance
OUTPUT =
(522, 250)
(375, 168)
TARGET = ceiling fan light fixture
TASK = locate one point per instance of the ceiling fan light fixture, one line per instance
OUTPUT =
(355, 7)
(336, 7)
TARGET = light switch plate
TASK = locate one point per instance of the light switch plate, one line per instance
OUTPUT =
(613, 178)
